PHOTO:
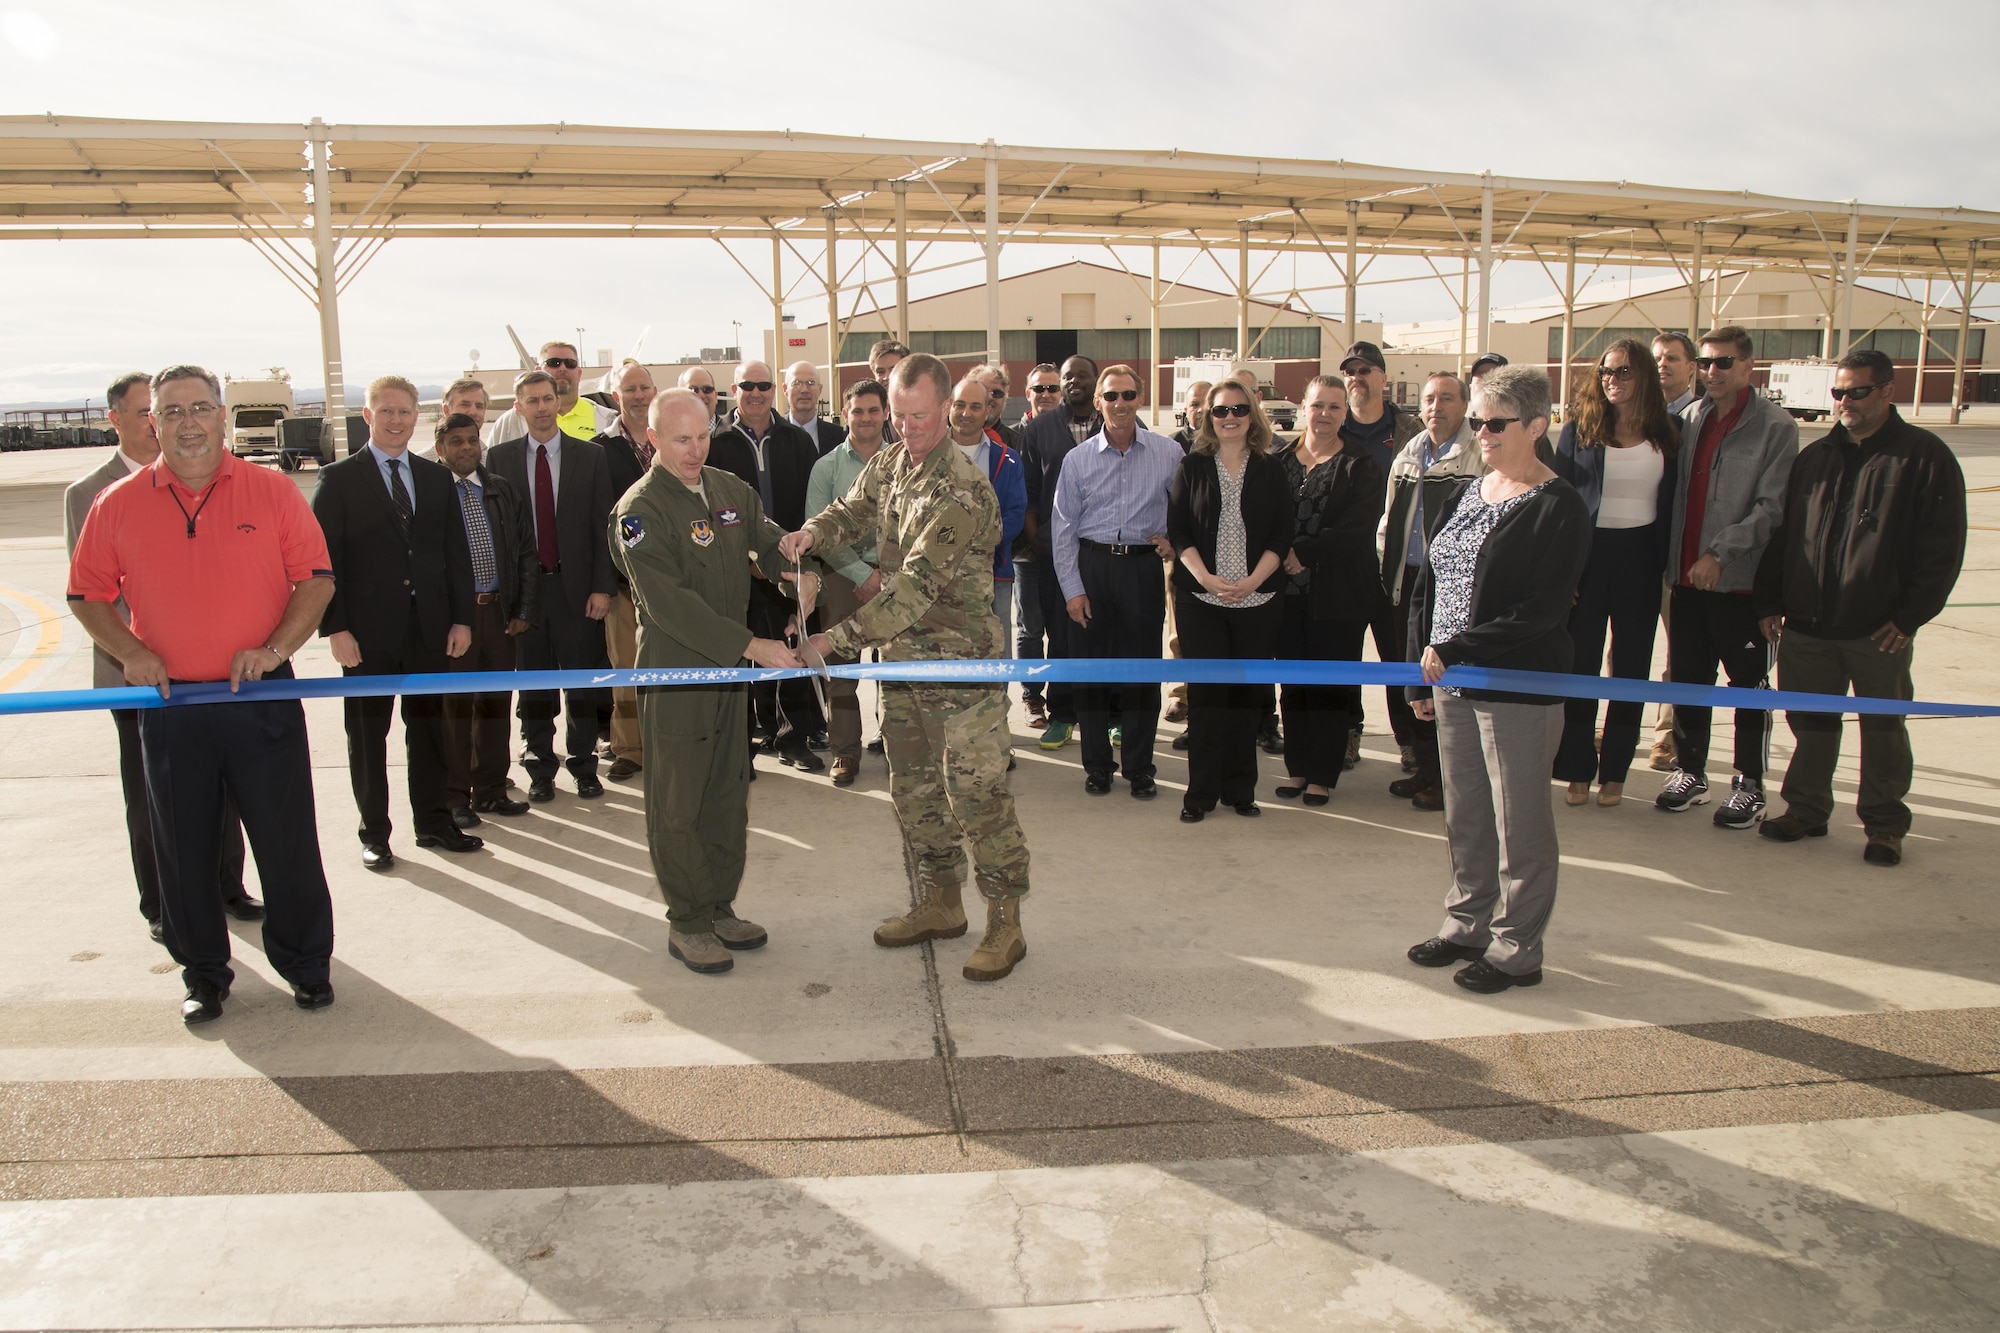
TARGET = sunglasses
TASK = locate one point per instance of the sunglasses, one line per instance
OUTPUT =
(1857, 393)
(1045, 388)
(1490, 425)
(560, 363)
(1120, 395)
(1230, 410)
(1719, 362)
(707, 390)
(1619, 373)
(755, 386)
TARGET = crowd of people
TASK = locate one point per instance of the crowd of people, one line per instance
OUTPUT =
(649, 529)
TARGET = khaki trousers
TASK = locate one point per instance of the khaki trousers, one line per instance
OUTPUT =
(621, 638)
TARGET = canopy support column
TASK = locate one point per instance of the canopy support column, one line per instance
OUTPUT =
(1153, 346)
(1847, 281)
(902, 191)
(1486, 268)
(1695, 325)
(1242, 293)
(325, 254)
(1964, 333)
(1569, 317)
(1353, 274)
(830, 386)
(777, 302)
(992, 255)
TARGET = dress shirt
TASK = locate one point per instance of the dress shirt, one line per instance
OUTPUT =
(810, 426)
(1106, 496)
(555, 467)
(131, 464)
(1676, 407)
(403, 466)
(1428, 453)
(832, 477)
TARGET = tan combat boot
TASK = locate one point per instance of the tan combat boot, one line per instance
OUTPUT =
(702, 952)
(938, 915)
(1002, 947)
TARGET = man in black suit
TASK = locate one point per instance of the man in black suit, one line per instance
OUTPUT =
(628, 454)
(776, 457)
(802, 395)
(505, 572)
(568, 488)
(402, 603)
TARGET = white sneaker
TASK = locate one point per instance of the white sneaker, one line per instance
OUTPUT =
(1745, 806)
(1683, 789)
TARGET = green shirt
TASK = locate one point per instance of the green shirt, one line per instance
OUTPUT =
(832, 478)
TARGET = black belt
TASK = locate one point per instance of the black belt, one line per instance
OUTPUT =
(556, 568)
(1119, 548)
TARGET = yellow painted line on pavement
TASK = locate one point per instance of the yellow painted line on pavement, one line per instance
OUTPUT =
(49, 639)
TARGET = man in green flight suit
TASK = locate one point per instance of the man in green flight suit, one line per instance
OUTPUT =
(935, 520)
(683, 536)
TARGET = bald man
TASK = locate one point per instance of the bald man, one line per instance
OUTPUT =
(802, 399)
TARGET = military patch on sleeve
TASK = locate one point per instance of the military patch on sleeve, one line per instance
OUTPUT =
(631, 530)
(702, 531)
(728, 518)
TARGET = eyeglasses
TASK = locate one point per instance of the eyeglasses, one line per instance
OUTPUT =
(1120, 395)
(1857, 393)
(175, 415)
(1719, 362)
(1045, 388)
(1619, 373)
(560, 363)
(1490, 425)
(1230, 410)
(754, 386)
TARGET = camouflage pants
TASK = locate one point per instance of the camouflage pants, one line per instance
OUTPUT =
(947, 750)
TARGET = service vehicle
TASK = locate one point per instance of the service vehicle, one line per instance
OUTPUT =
(255, 408)
(1802, 388)
(1219, 366)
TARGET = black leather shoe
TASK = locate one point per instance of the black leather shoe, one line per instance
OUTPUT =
(541, 790)
(1315, 798)
(451, 839)
(1435, 952)
(1095, 784)
(203, 1003)
(312, 994)
(1249, 809)
(1144, 789)
(243, 907)
(1190, 815)
(1181, 741)
(1269, 739)
(158, 930)
(803, 760)
(820, 741)
(1486, 979)
(874, 746)
(464, 816)
(589, 788)
(376, 856)
(503, 806)
(1289, 792)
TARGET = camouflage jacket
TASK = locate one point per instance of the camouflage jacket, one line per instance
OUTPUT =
(934, 525)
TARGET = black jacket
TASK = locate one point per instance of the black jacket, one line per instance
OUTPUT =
(622, 461)
(1340, 551)
(377, 578)
(791, 454)
(1871, 533)
(1194, 511)
(1584, 469)
(1045, 442)
(514, 558)
(583, 507)
(1523, 586)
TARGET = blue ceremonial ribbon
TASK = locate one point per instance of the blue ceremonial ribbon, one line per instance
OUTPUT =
(1074, 670)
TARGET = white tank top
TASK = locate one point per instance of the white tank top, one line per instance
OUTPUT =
(1631, 486)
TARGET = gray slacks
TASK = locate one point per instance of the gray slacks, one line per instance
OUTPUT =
(1500, 824)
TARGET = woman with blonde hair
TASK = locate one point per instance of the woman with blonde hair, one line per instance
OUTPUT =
(1229, 518)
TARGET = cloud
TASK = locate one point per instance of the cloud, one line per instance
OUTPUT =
(29, 34)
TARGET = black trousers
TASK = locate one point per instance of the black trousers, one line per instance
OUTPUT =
(1422, 735)
(475, 725)
(1317, 718)
(423, 740)
(785, 710)
(1060, 695)
(197, 757)
(1706, 630)
(139, 824)
(560, 640)
(1128, 615)
(1390, 627)
(1222, 719)
(1620, 591)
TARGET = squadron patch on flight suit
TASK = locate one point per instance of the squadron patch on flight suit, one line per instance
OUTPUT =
(728, 518)
(631, 531)
(702, 532)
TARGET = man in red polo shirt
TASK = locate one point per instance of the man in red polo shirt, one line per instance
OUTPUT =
(225, 571)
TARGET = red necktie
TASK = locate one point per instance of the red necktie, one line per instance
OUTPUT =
(545, 510)
(646, 452)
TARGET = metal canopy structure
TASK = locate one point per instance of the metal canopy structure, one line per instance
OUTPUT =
(320, 200)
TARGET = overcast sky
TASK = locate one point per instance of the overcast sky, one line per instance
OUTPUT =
(1828, 100)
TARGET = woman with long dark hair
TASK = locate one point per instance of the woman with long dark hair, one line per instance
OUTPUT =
(1617, 450)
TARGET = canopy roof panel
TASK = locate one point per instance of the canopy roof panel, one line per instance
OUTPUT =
(74, 176)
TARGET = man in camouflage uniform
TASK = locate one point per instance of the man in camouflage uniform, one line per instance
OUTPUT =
(683, 536)
(935, 521)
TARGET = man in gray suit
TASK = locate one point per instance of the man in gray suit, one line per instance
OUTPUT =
(129, 403)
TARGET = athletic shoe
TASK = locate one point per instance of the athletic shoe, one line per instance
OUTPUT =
(1683, 789)
(1056, 735)
(1745, 806)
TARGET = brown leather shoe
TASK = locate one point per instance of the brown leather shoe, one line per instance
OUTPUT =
(623, 768)
(1884, 848)
(1788, 827)
(1177, 711)
(1662, 759)
(844, 771)
(1429, 798)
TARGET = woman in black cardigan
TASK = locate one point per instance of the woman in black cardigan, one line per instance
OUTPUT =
(1499, 575)
(1230, 521)
(1334, 586)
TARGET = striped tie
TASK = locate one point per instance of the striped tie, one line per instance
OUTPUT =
(401, 495)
